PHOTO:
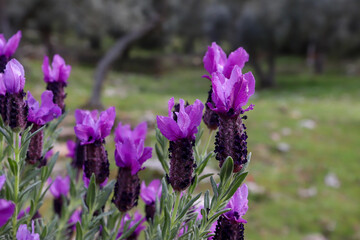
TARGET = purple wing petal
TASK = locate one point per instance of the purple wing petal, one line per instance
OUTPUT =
(147, 154)
(171, 104)
(12, 44)
(169, 128)
(237, 58)
(214, 59)
(106, 122)
(140, 132)
(46, 70)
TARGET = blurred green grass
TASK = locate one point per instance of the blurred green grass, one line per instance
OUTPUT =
(330, 100)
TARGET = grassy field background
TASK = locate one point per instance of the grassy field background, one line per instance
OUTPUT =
(305, 130)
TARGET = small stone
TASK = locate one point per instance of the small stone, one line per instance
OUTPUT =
(255, 188)
(332, 180)
(295, 114)
(283, 147)
(308, 123)
(307, 192)
(286, 131)
(275, 136)
(315, 236)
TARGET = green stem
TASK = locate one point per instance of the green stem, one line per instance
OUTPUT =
(16, 186)
(118, 225)
(208, 141)
(176, 206)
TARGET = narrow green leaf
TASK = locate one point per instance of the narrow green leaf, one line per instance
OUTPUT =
(226, 170)
(214, 186)
(187, 206)
(234, 186)
(79, 234)
(91, 195)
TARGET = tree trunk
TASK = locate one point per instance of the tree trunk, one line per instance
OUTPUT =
(266, 77)
(115, 52)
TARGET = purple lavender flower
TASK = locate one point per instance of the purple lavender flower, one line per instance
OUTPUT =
(91, 130)
(137, 217)
(130, 151)
(231, 224)
(6, 207)
(149, 195)
(188, 119)
(90, 127)
(130, 154)
(8, 48)
(24, 234)
(56, 77)
(180, 128)
(59, 188)
(39, 116)
(229, 96)
(14, 109)
(215, 60)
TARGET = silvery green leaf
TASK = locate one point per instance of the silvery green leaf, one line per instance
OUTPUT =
(204, 163)
(104, 194)
(187, 206)
(234, 186)
(226, 170)
(79, 235)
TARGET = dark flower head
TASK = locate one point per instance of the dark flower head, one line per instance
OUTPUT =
(60, 186)
(149, 193)
(24, 234)
(137, 217)
(45, 113)
(215, 60)
(8, 48)
(188, 120)
(231, 94)
(59, 72)
(89, 127)
(130, 151)
(13, 77)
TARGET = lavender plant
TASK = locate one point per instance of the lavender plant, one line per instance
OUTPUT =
(89, 205)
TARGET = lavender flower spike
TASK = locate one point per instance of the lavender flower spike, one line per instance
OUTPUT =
(8, 48)
(24, 234)
(56, 77)
(137, 217)
(14, 109)
(60, 188)
(229, 96)
(39, 116)
(6, 207)
(231, 224)
(180, 128)
(130, 154)
(91, 130)
(149, 195)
